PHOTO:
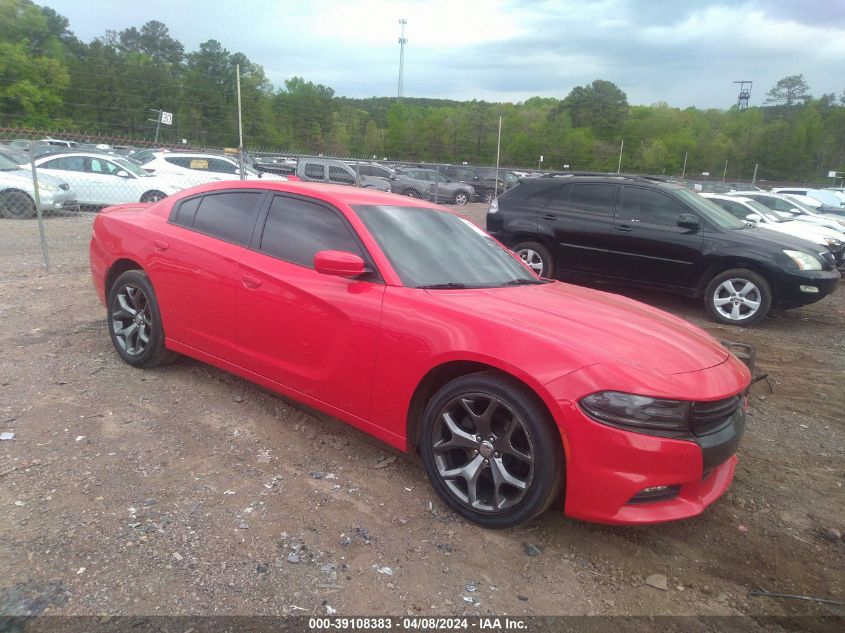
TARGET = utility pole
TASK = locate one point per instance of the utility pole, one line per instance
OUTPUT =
(754, 177)
(402, 41)
(684, 172)
(725, 173)
(498, 147)
(240, 126)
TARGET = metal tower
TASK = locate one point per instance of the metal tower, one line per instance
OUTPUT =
(744, 94)
(402, 41)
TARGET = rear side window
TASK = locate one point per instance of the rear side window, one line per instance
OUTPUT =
(591, 198)
(296, 230)
(228, 216)
(314, 170)
(221, 166)
(554, 197)
(647, 205)
(734, 208)
(338, 174)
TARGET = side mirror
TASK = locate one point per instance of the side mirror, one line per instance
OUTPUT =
(754, 217)
(122, 174)
(339, 263)
(688, 221)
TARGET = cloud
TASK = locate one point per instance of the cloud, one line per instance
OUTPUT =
(678, 51)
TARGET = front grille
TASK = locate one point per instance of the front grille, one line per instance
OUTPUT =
(708, 417)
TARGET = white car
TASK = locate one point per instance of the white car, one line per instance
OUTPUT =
(17, 193)
(793, 208)
(100, 179)
(762, 216)
(827, 198)
(194, 168)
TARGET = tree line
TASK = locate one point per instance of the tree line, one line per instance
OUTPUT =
(115, 84)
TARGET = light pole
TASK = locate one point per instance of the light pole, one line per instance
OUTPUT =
(402, 41)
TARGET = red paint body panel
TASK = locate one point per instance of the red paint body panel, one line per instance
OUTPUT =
(358, 350)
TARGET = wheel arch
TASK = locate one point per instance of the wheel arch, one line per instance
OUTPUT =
(728, 263)
(449, 370)
(117, 268)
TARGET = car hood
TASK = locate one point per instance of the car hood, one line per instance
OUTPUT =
(26, 174)
(600, 327)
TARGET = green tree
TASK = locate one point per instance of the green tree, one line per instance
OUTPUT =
(790, 91)
(600, 105)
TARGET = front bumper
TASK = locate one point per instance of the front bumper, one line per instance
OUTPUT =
(58, 201)
(607, 467)
(792, 289)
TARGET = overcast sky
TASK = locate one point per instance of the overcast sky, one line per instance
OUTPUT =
(682, 52)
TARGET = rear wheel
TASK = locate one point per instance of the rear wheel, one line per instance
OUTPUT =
(537, 256)
(135, 322)
(738, 297)
(491, 450)
(488, 196)
(16, 205)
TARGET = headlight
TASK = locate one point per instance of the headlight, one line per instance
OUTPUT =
(47, 186)
(804, 261)
(494, 206)
(832, 241)
(639, 413)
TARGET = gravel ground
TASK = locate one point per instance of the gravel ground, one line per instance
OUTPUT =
(186, 490)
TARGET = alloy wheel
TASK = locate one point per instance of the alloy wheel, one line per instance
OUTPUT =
(483, 452)
(132, 319)
(737, 299)
(532, 258)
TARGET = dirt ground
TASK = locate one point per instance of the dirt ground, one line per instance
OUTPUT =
(185, 490)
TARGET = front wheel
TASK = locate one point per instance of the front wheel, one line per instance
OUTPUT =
(461, 198)
(738, 297)
(491, 450)
(488, 197)
(153, 196)
(17, 205)
(135, 321)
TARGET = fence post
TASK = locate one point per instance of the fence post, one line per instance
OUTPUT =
(38, 206)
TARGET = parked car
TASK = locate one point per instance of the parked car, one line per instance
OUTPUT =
(14, 155)
(193, 168)
(311, 169)
(430, 184)
(371, 169)
(17, 192)
(816, 207)
(412, 324)
(655, 234)
(483, 180)
(102, 179)
(827, 198)
(760, 215)
(795, 207)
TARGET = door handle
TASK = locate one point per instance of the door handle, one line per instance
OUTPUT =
(250, 282)
(549, 216)
(622, 227)
(161, 246)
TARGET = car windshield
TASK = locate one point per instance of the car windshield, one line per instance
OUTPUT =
(437, 249)
(131, 167)
(709, 209)
(7, 165)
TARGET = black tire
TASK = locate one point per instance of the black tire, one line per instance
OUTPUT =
(132, 301)
(412, 193)
(488, 196)
(537, 256)
(532, 435)
(153, 196)
(738, 297)
(16, 205)
(461, 198)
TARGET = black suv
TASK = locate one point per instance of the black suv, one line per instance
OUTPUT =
(660, 235)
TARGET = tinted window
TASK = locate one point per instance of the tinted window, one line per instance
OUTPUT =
(314, 170)
(296, 230)
(180, 161)
(221, 166)
(734, 208)
(592, 198)
(556, 197)
(338, 174)
(186, 212)
(229, 216)
(68, 163)
(651, 206)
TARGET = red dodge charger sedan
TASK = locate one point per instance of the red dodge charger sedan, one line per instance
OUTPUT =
(409, 322)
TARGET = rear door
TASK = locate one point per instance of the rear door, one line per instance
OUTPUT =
(314, 333)
(195, 272)
(648, 244)
(580, 217)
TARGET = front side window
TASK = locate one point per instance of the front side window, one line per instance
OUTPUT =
(229, 216)
(67, 163)
(297, 229)
(315, 171)
(436, 249)
(591, 198)
(650, 206)
(220, 166)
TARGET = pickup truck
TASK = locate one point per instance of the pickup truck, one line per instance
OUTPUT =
(337, 172)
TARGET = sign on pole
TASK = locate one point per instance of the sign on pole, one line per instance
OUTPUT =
(831, 174)
(166, 117)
